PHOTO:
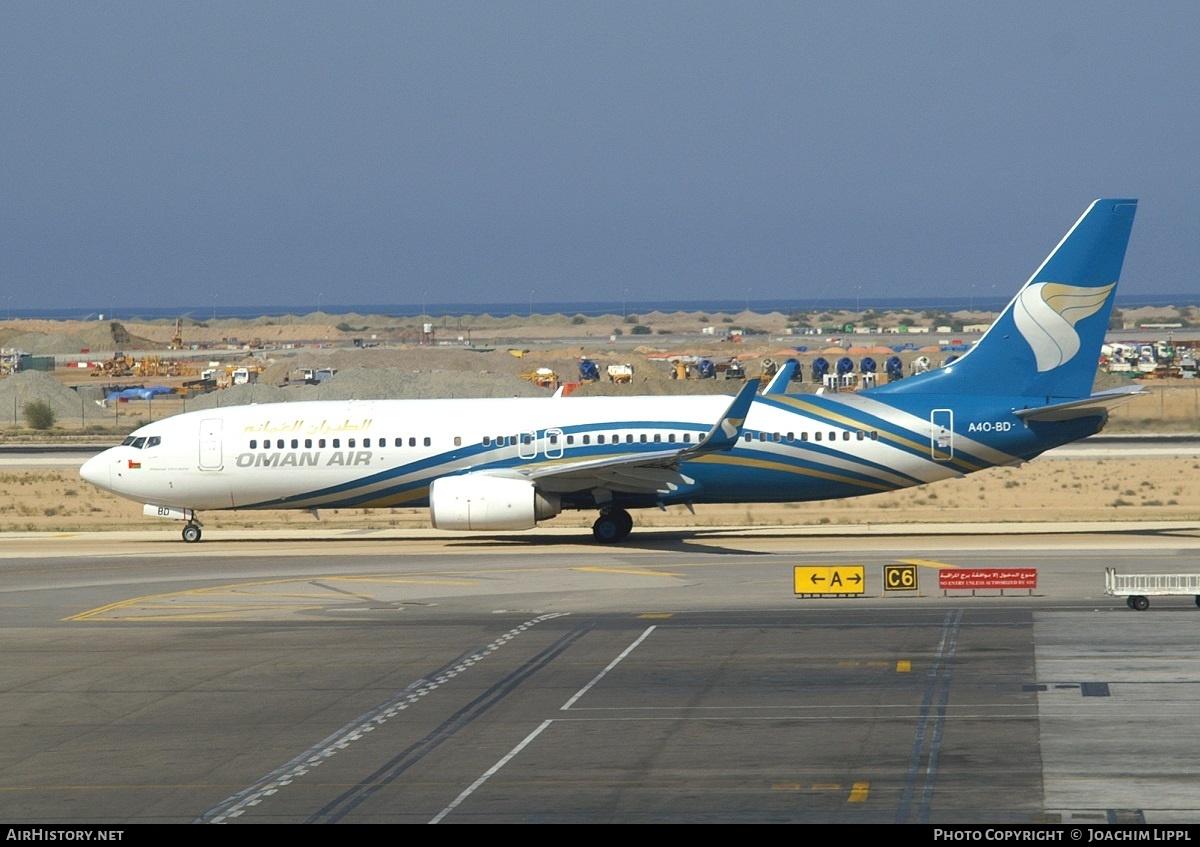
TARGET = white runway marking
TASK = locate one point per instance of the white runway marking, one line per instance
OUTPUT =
(355, 730)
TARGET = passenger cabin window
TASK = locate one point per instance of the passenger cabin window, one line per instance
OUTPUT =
(253, 443)
(427, 441)
(458, 441)
(337, 442)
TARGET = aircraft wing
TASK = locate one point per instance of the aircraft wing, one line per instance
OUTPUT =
(1089, 407)
(657, 471)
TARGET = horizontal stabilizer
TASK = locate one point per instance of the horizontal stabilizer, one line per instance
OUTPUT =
(1089, 407)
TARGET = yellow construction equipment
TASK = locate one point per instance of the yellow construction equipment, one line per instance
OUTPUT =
(177, 338)
(544, 377)
(118, 365)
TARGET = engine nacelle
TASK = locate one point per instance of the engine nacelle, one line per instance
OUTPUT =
(479, 501)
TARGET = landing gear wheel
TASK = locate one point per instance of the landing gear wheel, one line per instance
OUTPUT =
(191, 533)
(612, 526)
(1141, 604)
(1129, 601)
(1198, 599)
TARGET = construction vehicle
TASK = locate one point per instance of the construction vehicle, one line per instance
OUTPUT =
(118, 365)
(734, 370)
(542, 377)
(588, 371)
(308, 376)
(177, 337)
(620, 374)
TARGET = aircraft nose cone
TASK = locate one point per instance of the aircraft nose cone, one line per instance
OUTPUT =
(97, 471)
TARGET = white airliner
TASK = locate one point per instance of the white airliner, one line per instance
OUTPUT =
(507, 464)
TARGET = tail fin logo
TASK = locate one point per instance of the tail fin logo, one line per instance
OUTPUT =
(1046, 314)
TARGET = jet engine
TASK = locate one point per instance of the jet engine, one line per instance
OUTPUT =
(480, 501)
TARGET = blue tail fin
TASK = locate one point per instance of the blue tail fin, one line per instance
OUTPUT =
(1047, 342)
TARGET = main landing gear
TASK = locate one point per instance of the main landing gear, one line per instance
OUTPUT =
(612, 526)
(191, 533)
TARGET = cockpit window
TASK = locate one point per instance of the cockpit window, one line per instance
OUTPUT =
(127, 442)
(139, 443)
(154, 441)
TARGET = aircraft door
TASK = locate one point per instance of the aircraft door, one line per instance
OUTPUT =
(210, 444)
(552, 445)
(941, 435)
(527, 445)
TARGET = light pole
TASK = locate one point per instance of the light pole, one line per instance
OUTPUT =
(624, 303)
(531, 293)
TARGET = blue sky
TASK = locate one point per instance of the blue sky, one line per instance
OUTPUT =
(248, 153)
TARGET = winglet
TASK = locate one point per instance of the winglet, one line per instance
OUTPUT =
(726, 432)
(779, 382)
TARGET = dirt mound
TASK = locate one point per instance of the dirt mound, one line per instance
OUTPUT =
(19, 389)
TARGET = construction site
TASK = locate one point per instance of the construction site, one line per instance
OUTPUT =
(108, 376)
